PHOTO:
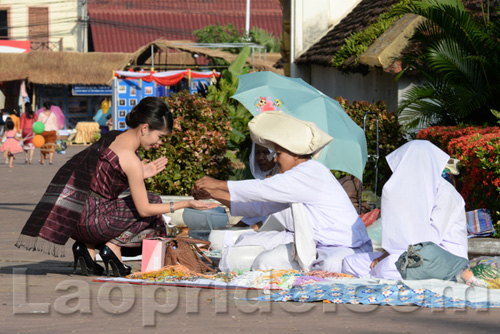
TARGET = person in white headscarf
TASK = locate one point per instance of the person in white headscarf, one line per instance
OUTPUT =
(321, 224)
(262, 165)
(418, 205)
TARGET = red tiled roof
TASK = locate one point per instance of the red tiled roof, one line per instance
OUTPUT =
(115, 29)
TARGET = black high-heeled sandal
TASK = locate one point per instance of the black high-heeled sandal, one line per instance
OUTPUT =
(109, 258)
(87, 265)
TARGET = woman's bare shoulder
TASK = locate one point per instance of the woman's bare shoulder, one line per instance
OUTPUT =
(129, 161)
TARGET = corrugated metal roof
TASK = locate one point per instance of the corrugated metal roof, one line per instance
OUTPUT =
(126, 30)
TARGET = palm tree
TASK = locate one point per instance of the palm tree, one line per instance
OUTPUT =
(459, 55)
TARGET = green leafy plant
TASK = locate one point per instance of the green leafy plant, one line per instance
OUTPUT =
(264, 38)
(196, 147)
(96, 137)
(391, 136)
(220, 34)
(459, 55)
(229, 34)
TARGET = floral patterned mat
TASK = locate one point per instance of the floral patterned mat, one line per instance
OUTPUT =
(320, 286)
(378, 294)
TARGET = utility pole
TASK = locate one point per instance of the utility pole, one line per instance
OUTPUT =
(247, 21)
(84, 21)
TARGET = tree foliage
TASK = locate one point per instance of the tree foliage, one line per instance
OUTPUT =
(459, 55)
(229, 34)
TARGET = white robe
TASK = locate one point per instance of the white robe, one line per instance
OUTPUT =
(336, 227)
(417, 205)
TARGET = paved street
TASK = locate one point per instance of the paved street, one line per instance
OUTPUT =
(40, 295)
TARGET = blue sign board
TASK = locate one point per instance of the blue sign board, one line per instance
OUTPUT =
(126, 95)
(91, 90)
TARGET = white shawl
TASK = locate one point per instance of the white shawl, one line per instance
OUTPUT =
(410, 194)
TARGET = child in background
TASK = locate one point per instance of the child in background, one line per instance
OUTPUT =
(12, 144)
(109, 122)
(28, 118)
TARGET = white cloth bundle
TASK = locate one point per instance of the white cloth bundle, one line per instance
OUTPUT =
(297, 136)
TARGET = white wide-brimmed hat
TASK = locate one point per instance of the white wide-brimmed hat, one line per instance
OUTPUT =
(297, 136)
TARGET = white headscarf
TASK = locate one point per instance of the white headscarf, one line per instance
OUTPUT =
(255, 169)
(409, 195)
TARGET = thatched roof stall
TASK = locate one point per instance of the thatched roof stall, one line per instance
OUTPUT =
(67, 68)
(71, 68)
(14, 66)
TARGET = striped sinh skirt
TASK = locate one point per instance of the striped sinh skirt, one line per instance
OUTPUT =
(117, 221)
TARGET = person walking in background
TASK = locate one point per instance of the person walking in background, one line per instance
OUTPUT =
(12, 143)
(109, 122)
(49, 119)
(27, 120)
(14, 115)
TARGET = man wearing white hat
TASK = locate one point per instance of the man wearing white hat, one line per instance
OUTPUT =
(321, 224)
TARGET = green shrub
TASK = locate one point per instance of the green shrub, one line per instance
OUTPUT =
(391, 136)
(264, 38)
(196, 147)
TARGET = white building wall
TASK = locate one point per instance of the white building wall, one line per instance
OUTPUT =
(63, 21)
(373, 87)
(311, 20)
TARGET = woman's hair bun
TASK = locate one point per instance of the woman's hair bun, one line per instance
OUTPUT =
(152, 111)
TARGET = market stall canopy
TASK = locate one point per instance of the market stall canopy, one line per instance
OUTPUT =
(168, 78)
(142, 55)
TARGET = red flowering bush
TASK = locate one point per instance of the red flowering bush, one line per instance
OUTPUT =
(196, 147)
(441, 135)
(478, 149)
